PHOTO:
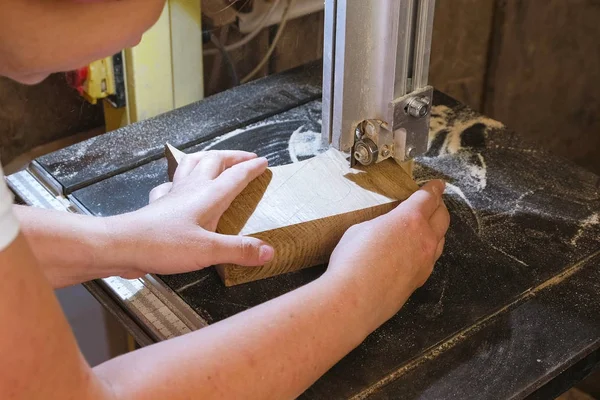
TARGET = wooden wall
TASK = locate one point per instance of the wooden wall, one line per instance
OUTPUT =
(31, 116)
(459, 48)
(544, 74)
(532, 64)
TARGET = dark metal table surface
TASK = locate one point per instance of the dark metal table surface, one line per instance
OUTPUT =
(513, 306)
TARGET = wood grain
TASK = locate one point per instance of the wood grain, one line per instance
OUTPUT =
(303, 209)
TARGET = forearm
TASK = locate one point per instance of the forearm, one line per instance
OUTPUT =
(69, 248)
(275, 350)
(40, 358)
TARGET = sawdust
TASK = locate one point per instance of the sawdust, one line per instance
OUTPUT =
(446, 119)
(462, 135)
(305, 143)
(591, 221)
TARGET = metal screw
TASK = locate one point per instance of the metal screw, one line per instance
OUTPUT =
(418, 107)
(410, 152)
(385, 151)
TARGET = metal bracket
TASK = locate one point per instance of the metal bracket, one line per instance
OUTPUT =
(376, 140)
(373, 142)
(411, 123)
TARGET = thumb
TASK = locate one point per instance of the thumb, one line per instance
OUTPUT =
(241, 250)
(160, 191)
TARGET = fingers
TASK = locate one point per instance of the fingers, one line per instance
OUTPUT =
(241, 250)
(160, 191)
(440, 220)
(208, 165)
(424, 201)
(214, 163)
(186, 166)
(440, 249)
(233, 180)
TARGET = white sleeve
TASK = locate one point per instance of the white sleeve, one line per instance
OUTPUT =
(9, 225)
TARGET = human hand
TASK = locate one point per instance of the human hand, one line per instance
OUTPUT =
(379, 263)
(176, 231)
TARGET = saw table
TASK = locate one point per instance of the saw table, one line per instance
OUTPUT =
(510, 311)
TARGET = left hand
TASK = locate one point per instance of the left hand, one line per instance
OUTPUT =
(176, 232)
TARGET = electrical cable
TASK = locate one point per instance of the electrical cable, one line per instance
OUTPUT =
(215, 74)
(267, 56)
(249, 36)
(227, 58)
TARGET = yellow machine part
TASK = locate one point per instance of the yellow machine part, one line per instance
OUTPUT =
(163, 72)
(100, 82)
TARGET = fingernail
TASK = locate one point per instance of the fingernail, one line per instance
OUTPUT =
(265, 253)
(439, 187)
(443, 185)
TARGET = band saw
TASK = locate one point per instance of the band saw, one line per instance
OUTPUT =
(511, 308)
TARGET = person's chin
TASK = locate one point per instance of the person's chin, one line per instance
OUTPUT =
(30, 79)
(135, 41)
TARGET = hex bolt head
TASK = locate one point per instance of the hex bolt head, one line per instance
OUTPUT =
(418, 107)
(385, 151)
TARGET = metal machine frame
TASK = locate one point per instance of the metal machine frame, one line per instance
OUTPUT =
(376, 99)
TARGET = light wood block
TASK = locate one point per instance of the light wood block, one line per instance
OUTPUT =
(303, 209)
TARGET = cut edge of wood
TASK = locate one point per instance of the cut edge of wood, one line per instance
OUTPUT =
(174, 157)
(323, 244)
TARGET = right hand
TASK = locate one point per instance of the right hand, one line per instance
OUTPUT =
(381, 262)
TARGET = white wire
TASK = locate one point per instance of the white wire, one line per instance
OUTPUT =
(249, 36)
(284, 20)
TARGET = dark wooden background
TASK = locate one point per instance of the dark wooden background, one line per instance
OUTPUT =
(532, 64)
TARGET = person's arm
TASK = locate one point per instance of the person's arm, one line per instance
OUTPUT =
(275, 350)
(37, 348)
(40, 357)
(70, 248)
(173, 234)
(278, 349)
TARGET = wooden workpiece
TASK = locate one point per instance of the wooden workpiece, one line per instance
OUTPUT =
(303, 209)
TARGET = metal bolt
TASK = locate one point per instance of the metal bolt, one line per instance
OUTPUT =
(418, 107)
(385, 151)
(365, 152)
(361, 153)
(410, 152)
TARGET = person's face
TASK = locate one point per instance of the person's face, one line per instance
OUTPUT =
(40, 37)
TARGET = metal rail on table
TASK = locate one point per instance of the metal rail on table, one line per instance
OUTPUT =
(148, 309)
